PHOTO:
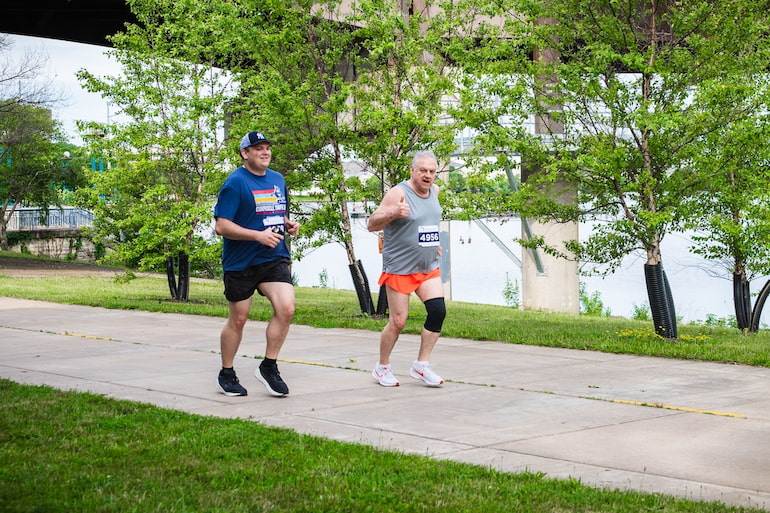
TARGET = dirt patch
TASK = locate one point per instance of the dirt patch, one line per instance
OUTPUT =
(34, 268)
(30, 267)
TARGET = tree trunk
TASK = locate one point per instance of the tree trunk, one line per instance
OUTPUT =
(180, 290)
(183, 284)
(357, 273)
(382, 301)
(742, 300)
(661, 301)
(758, 306)
(171, 276)
(3, 235)
(361, 283)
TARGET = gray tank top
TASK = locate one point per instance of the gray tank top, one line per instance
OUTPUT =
(410, 244)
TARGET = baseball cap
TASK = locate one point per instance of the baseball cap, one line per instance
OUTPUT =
(253, 138)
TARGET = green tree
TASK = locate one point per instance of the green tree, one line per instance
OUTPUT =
(31, 154)
(625, 106)
(329, 81)
(732, 216)
(166, 152)
(337, 82)
(32, 162)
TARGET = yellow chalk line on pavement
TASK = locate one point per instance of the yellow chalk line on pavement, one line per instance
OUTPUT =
(62, 333)
(670, 407)
(81, 335)
(617, 401)
(317, 364)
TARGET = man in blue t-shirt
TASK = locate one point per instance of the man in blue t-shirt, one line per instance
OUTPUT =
(252, 216)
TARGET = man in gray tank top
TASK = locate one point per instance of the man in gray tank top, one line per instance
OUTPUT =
(409, 216)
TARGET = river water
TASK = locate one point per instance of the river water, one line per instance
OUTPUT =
(479, 269)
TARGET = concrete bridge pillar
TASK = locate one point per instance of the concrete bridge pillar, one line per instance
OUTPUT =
(548, 283)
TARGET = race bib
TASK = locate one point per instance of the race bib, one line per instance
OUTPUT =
(275, 223)
(428, 235)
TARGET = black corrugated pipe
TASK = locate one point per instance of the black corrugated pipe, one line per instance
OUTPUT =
(183, 287)
(758, 306)
(382, 301)
(661, 301)
(171, 277)
(742, 301)
(670, 308)
(362, 289)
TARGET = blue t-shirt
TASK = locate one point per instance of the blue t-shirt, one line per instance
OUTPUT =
(257, 203)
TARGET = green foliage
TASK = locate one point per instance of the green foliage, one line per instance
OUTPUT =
(34, 168)
(732, 215)
(641, 312)
(479, 182)
(591, 304)
(323, 279)
(628, 117)
(167, 151)
(653, 116)
(456, 181)
(511, 292)
(713, 320)
(125, 277)
(343, 87)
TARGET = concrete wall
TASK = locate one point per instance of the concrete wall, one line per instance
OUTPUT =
(59, 244)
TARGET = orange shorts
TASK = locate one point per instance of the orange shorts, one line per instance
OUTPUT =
(407, 283)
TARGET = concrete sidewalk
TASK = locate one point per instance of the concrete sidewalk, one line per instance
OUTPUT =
(566, 413)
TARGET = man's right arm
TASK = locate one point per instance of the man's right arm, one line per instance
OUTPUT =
(233, 231)
(392, 207)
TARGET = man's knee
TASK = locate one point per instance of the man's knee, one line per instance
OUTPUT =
(285, 310)
(436, 309)
(236, 322)
(397, 321)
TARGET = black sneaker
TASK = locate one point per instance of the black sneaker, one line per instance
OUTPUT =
(228, 383)
(271, 378)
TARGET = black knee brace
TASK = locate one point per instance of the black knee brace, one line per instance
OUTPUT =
(436, 312)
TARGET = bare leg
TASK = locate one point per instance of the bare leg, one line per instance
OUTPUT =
(428, 341)
(232, 333)
(281, 297)
(430, 289)
(398, 307)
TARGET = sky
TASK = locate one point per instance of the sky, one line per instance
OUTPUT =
(64, 61)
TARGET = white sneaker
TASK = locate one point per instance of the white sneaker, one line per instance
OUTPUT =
(423, 371)
(383, 375)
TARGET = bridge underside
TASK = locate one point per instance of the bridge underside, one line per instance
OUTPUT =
(80, 21)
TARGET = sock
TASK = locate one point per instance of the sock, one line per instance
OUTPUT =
(268, 362)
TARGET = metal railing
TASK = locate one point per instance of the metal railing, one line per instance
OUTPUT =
(29, 219)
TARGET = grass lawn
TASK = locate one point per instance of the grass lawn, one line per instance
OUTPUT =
(327, 308)
(75, 452)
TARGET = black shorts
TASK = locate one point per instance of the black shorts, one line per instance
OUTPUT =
(240, 285)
